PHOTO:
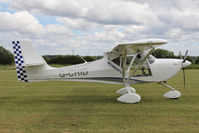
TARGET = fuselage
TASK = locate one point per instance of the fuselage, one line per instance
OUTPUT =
(106, 71)
(127, 63)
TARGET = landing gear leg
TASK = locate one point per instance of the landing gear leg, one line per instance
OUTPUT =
(126, 90)
(128, 95)
(173, 94)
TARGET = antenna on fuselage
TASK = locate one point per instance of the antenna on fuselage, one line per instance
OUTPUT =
(83, 59)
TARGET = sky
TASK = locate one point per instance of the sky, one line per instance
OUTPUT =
(92, 27)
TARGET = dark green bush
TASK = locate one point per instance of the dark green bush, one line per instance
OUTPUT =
(6, 57)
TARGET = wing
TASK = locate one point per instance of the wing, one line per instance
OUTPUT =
(135, 47)
(138, 46)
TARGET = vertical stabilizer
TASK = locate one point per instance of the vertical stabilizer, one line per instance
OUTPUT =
(27, 61)
(19, 62)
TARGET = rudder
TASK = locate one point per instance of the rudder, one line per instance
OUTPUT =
(19, 62)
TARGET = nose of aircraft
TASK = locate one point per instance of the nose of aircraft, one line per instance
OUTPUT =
(186, 63)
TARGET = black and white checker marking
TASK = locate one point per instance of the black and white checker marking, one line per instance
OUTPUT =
(19, 62)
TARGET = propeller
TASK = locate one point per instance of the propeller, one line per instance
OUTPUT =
(183, 69)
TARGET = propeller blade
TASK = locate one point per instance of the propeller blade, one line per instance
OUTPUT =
(185, 56)
(181, 58)
(183, 69)
(183, 76)
(180, 55)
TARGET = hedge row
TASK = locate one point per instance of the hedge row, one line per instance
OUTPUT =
(6, 57)
(69, 59)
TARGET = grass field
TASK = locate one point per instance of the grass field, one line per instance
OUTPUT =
(75, 107)
(193, 66)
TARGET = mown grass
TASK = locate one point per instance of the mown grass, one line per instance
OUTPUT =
(75, 107)
(193, 66)
(7, 67)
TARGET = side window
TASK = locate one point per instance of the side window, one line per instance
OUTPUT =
(151, 59)
(119, 59)
(116, 61)
(144, 69)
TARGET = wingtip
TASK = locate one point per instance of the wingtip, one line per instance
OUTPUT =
(157, 40)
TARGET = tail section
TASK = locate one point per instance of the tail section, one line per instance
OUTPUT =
(25, 56)
(19, 62)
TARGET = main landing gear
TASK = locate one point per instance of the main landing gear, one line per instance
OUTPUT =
(173, 94)
(128, 95)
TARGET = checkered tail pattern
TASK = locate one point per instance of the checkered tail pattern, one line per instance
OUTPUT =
(19, 62)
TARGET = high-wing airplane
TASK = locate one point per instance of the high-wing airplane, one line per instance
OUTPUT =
(126, 64)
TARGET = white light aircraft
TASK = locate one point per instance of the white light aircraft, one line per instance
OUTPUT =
(126, 64)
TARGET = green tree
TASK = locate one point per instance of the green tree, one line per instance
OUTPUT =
(67, 59)
(162, 53)
(189, 58)
(197, 60)
(6, 57)
(89, 58)
(61, 59)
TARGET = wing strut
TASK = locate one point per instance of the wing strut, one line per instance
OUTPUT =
(129, 68)
(124, 67)
(140, 64)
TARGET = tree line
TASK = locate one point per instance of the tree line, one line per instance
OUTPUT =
(163, 53)
(7, 58)
(69, 59)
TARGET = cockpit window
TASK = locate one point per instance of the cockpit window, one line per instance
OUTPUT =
(151, 59)
(132, 62)
(144, 69)
(116, 61)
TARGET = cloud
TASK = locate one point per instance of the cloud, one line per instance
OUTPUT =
(82, 25)
(22, 22)
(186, 19)
(78, 24)
(24, 26)
(25, 23)
(113, 12)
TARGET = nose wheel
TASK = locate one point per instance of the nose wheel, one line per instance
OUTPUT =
(173, 94)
